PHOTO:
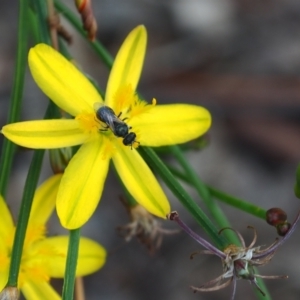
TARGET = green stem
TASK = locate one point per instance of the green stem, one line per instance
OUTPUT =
(33, 24)
(75, 21)
(71, 263)
(205, 194)
(29, 189)
(183, 197)
(262, 285)
(8, 147)
(240, 204)
(28, 194)
(41, 11)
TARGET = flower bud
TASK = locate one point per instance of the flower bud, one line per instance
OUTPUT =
(59, 159)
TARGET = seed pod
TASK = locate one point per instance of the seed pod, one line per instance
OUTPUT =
(275, 216)
(282, 229)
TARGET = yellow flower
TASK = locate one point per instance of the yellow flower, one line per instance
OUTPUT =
(82, 184)
(43, 257)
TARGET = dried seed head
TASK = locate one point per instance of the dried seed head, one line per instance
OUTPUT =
(239, 261)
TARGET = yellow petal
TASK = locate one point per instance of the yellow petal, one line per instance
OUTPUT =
(6, 222)
(128, 64)
(44, 200)
(170, 124)
(3, 276)
(140, 181)
(82, 184)
(61, 81)
(45, 134)
(6, 230)
(41, 290)
(91, 256)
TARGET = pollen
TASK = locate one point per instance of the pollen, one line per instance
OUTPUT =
(231, 249)
(34, 233)
(110, 147)
(129, 103)
(136, 144)
(4, 262)
(141, 106)
(88, 122)
(36, 273)
(124, 99)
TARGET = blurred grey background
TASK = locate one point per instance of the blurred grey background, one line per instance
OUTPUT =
(241, 60)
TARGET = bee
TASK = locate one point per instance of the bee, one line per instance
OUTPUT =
(119, 128)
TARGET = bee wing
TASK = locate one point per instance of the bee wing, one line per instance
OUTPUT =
(107, 114)
(111, 119)
(97, 105)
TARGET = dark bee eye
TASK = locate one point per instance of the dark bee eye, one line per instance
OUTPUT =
(129, 139)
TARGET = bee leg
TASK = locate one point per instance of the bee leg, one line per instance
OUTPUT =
(119, 115)
(104, 128)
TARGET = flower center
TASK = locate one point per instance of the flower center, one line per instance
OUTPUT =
(88, 123)
(34, 262)
(113, 122)
(129, 104)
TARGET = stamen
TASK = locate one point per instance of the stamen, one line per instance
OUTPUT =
(88, 123)
(124, 100)
(236, 232)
